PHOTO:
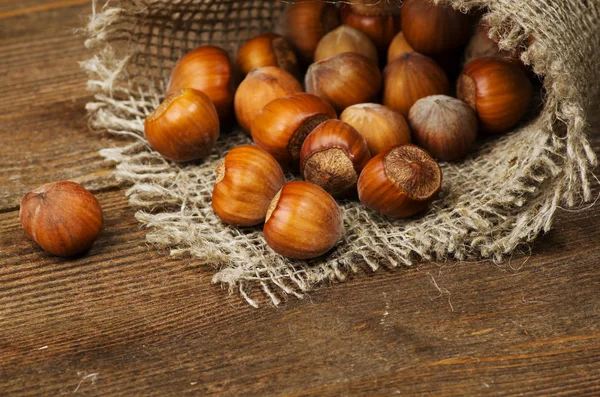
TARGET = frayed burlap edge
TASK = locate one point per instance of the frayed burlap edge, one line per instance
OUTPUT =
(504, 195)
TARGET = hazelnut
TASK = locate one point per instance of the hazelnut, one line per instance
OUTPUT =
(184, 127)
(400, 182)
(61, 217)
(206, 69)
(446, 127)
(332, 157)
(346, 39)
(482, 45)
(303, 221)
(398, 46)
(434, 29)
(247, 180)
(410, 77)
(267, 49)
(381, 127)
(260, 87)
(282, 125)
(379, 20)
(344, 80)
(498, 91)
(305, 23)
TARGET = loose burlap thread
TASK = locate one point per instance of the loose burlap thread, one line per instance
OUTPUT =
(503, 195)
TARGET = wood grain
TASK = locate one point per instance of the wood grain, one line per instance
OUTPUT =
(24, 7)
(125, 319)
(44, 125)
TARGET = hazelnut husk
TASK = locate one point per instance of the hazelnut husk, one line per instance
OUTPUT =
(346, 39)
(399, 46)
(268, 49)
(400, 182)
(303, 221)
(434, 29)
(184, 127)
(410, 77)
(498, 91)
(305, 23)
(61, 217)
(209, 70)
(379, 20)
(381, 126)
(344, 80)
(260, 87)
(446, 127)
(282, 125)
(246, 181)
(332, 157)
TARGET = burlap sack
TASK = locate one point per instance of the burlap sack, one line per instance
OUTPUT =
(504, 195)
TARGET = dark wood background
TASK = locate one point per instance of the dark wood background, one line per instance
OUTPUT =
(128, 320)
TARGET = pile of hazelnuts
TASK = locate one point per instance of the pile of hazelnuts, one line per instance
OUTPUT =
(367, 152)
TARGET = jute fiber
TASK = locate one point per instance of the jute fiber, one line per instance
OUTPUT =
(504, 195)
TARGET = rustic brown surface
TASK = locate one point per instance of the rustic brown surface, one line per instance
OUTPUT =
(127, 320)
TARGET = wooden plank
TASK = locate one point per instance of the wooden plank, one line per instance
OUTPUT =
(44, 124)
(149, 324)
(15, 8)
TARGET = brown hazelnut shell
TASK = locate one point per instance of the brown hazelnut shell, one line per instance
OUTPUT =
(184, 127)
(381, 126)
(344, 80)
(380, 20)
(209, 70)
(261, 86)
(446, 127)
(410, 77)
(247, 180)
(434, 29)
(400, 182)
(305, 23)
(303, 221)
(399, 46)
(499, 91)
(346, 39)
(61, 217)
(332, 157)
(283, 124)
(482, 45)
(268, 49)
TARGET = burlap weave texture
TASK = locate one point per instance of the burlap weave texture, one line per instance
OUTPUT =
(504, 195)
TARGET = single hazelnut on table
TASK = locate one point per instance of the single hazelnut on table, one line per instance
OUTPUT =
(282, 125)
(499, 91)
(381, 126)
(400, 182)
(379, 20)
(247, 180)
(206, 69)
(446, 127)
(268, 49)
(344, 80)
(260, 87)
(434, 29)
(305, 23)
(303, 221)
(346, 39)
(332, 157)
(398, 46)
(61, 217)
(184, 127)
(410, 77)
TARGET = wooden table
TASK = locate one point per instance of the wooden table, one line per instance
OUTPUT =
(128, 320)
